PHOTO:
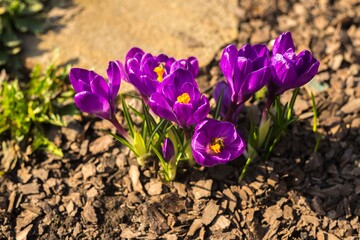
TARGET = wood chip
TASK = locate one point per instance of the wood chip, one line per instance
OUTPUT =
(101, 144)
(23, 235)
(351, 107)
(88, 170)
(272, 213)
(202, 188)
(196, 225)
(154, 187)
(134, 174)
(89, 213)
(30, 188)
(180, 188)
(24, 219)
(307, 219)
(220, 223)
(41, 173)
(210, 212)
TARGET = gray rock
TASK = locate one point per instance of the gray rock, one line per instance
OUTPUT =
(92, 33)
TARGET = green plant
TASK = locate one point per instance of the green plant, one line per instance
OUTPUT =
(17, 16)
(25, 112)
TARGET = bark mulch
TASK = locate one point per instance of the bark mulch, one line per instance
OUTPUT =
(96, 191)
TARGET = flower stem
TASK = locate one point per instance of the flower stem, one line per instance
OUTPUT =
(230, 112)
(266, 109)
(242, 176)
(121, 130)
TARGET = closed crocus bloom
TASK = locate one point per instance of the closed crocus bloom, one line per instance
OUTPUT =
(216, 142)
(179, 100)
(145, 71)
(290, 70)
(223, 89)
(95, 95)
(246, 70)
(168, 149)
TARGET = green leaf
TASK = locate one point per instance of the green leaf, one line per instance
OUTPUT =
(40, 141)
(218, 104)
(123, 141)
(139, 146)
(127, 115)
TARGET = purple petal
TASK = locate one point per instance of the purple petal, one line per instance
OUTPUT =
(134, 53)
(114, 75)
(193, 66)
(100, 87)
(201, 112)
(168, 149)
(283, 43)
(161, 107)
(183, 113)
(94, 104)
(308, 75)
(227, 62)
(80, 79)
(132, 66)
(254, 82)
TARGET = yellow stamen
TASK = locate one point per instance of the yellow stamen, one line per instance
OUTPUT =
(184, 98)
(216, 145)
(160, 70)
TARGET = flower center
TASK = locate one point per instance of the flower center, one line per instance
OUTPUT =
(160, 70)
(216, 145)
(184, 98)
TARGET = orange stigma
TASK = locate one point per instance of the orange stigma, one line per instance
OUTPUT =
(160, 70)
(184, 98)
(216, 145)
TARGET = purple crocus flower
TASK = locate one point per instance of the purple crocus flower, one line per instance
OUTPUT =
(168, 149)
(179, 100)
(226, 103)
(246, 71)
(146, 71)
(216, 142)
(96, 96)
(290, 70)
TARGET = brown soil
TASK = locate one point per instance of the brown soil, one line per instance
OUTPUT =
(96, 191)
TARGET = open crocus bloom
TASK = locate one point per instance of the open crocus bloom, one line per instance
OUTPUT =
(179, 100)
(246, 71)
(290, 70)
(93, 94)
(145, 71)
(216, 142)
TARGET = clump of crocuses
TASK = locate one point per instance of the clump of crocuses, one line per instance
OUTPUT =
(178, 123)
